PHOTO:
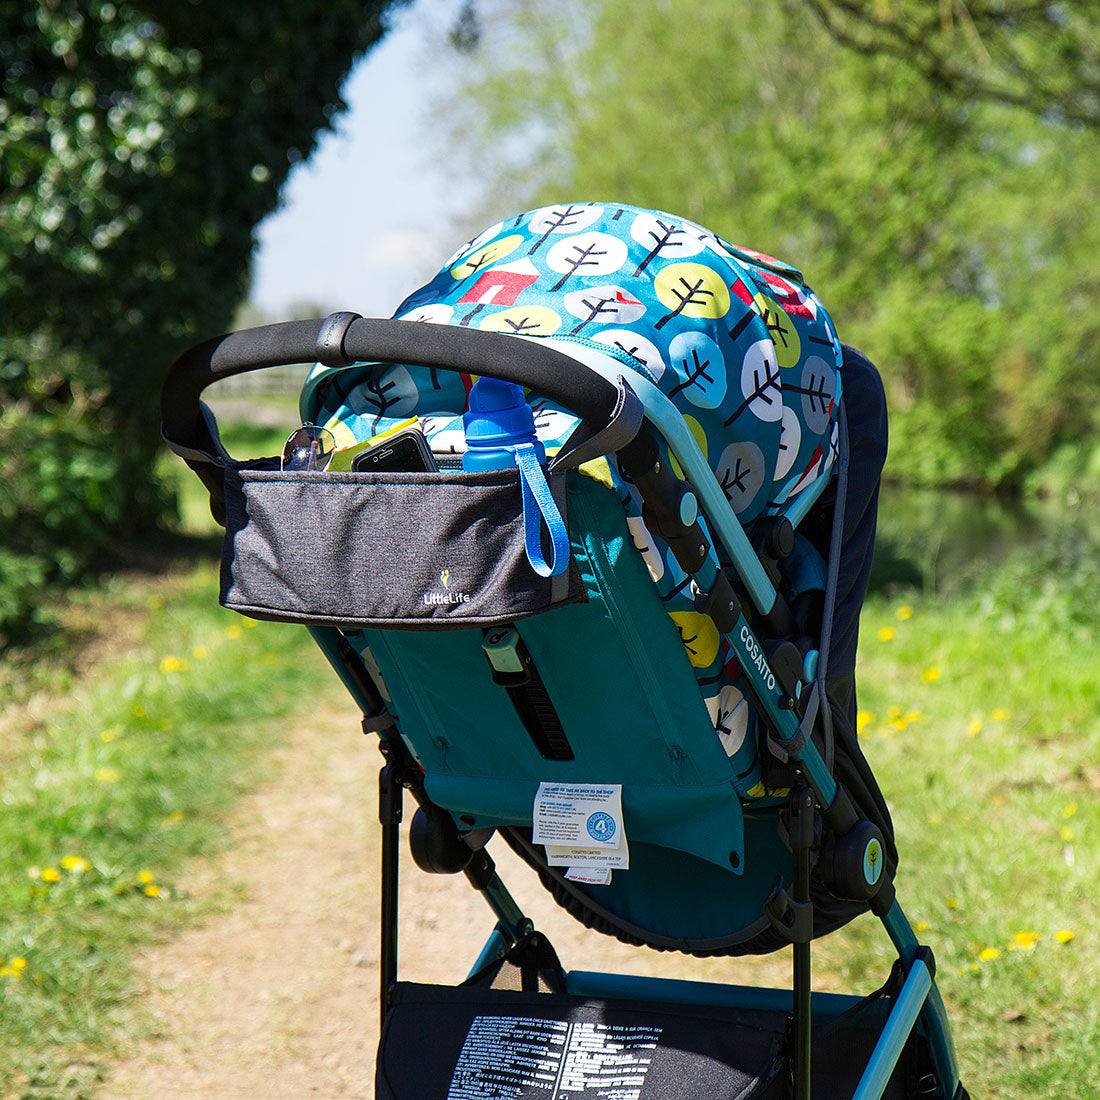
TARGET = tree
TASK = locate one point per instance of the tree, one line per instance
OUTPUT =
(1041, 55)
(955, 241)
(140, 143)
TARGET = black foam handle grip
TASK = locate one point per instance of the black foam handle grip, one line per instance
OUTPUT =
(374, 340)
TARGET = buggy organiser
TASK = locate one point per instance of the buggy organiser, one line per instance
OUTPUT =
(660, 725)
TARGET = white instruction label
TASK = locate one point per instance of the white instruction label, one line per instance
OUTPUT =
(562, 855)
(579, 815)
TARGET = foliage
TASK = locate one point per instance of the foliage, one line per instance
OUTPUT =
(954, 241)
(1040, 55)
(140, 143)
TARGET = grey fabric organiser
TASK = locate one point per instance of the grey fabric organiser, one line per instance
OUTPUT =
(429, 551)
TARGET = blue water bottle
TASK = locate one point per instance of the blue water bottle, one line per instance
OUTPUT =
(500, 434)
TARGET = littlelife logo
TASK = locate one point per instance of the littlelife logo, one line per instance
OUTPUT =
(438, 599)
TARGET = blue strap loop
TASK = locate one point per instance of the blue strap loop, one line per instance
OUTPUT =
(539, 505)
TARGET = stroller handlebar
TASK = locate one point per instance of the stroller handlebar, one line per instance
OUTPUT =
(343, 339)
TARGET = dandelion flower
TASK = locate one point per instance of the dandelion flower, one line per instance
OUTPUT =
(921, 926)
(998, 714)
(106, 775)
(913, 716)
(233, 631)
(975, 727)
(1064, 936)
(988, 954)
(952, 903)
(18, 963)
(173, 664)
(151, 890)
(110, 734)
(1025, 941)
(893, 712)
(1069, 809)
(51, 874)
(930, 675)
(863, 719)
(75, 864)
(1066, 833)
(887, 634)
(145, 876)
(904, 612)
(200, 653)
(174, 817)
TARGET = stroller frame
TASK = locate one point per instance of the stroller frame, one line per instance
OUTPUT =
(916, 1003)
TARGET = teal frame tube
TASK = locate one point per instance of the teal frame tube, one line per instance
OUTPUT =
(895, 1033)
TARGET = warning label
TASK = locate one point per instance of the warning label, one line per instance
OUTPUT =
(523, 1058)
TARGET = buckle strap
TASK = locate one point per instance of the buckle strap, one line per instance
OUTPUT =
(583, 445)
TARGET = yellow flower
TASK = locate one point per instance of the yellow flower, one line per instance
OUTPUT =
(76, 864)
(930, 675)
(152, 890)
(863, 719)
(1069, 809)
(952, 903)
(174, 817)
(233, 631)
(1066, 833)
(921, 926)
(904, 612)
(172, 664)
(106, 775)
(250, 623)
(887, 634)
(1025, 941)
(998, 714)
(145, 876)
(913, 716)
(18, 963)
(200, 653)
(1064, 936)
(988, 954)
(51, 874)
(975, 727)
(110, 734)
(893, 712)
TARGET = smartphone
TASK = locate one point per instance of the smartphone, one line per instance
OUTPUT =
(405, 451)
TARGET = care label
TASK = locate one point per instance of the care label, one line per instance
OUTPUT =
(581, 827)
(578, 815)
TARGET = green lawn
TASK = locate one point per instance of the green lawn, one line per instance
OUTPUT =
(980, 713)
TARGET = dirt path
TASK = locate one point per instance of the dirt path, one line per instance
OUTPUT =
(277, 997)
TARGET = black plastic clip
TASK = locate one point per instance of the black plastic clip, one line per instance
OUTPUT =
(793, 920)
(390, 791)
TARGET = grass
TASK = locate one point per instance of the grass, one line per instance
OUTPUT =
(121, 757)
(980, 713)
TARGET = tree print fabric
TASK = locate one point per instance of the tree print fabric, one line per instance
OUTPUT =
(734, 338)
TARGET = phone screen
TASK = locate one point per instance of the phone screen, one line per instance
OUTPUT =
(404, 453)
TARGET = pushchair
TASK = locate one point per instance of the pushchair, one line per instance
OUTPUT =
(628, 649)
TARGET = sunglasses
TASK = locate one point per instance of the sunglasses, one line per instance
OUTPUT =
(308, 448)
